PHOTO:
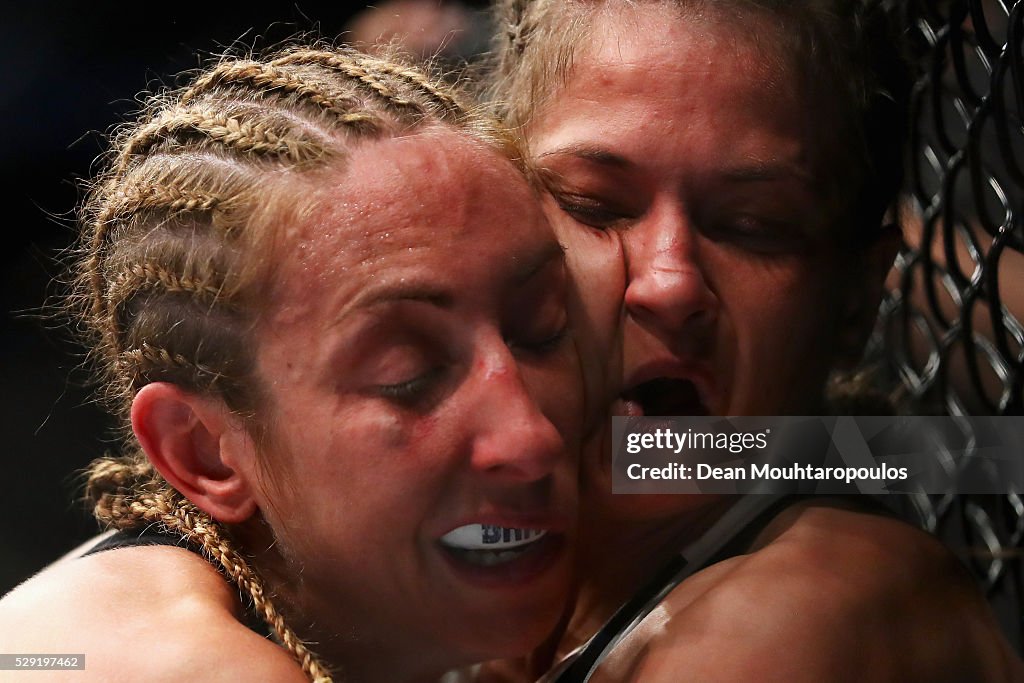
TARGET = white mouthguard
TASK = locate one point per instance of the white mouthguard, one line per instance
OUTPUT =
(490, 537)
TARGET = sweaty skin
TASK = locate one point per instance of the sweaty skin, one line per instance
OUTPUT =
(410, 394)
(680, 148)
(139, 614)
(823, 596)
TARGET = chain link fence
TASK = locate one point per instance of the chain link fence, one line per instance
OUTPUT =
(950, 329)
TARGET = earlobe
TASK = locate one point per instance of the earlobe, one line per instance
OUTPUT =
(199, 448)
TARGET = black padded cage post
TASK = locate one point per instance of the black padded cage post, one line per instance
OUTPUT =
(950, 328)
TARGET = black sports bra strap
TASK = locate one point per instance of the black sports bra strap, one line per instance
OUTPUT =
(131, 538)
(750, 515)
(153, 535)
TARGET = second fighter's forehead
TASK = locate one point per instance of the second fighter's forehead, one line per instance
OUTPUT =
(674, 100)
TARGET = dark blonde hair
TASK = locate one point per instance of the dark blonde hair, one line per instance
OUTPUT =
(845, 53)
(177, 244)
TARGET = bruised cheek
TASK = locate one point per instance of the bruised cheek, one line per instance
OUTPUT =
(391, 433)
(438, 436)
(425, 429)
(419, 444)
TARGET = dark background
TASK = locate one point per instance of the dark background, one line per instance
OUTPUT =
(69, 71)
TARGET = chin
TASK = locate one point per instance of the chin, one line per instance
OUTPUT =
(503, 634)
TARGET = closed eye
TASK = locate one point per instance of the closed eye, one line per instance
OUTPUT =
(542, 345)
(414, 391)
(761, 235)
(590, 212)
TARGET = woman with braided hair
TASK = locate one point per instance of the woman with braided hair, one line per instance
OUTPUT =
(723, 170)
(324, 297)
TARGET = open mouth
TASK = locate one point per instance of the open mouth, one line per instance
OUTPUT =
(488, 545)
(664, 396)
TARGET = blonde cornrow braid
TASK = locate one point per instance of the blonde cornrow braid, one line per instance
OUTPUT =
(352, 68)
(140, 277)
(230, 131)
(167, 197)
(514, 24)
(110, 214)
(110, 477)
(166, 194)
(104, 324)
(447, 100)
(417, 79)
(118, 205)
(267, 79)
(176, 514)
(533, 51)
(136, 362)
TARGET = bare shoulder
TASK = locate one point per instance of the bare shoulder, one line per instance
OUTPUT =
(828, 594)
(151, 613)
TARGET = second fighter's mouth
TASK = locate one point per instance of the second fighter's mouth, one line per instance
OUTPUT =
(663, 396)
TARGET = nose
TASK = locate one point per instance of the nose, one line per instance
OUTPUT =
(515, 442)
(666, 291)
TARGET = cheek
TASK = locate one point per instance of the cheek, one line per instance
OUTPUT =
(784, 324)
(339, 467)
(597, 269)
(555, 385)
(595, 261)
(426, 430)
(774, 300)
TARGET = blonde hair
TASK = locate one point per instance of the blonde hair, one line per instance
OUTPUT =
(847, 52)
(177, 243)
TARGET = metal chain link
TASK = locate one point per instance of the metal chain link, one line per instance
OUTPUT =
(949, 328)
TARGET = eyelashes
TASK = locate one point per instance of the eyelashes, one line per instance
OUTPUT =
(589, 211)
(543, 345)
(759, 235)
(746, 231)
(414, 390)
(421, 389)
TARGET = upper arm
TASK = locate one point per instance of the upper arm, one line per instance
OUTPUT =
(841, 596)
(155, 614)
(224, 655)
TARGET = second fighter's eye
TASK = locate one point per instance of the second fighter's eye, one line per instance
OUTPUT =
(757, 234)
(543, 343)
(591, 212)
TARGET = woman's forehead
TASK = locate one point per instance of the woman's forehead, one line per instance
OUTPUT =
(698, 40)
(657, 84)
(687, 94)
(407, 204)
(397, 184)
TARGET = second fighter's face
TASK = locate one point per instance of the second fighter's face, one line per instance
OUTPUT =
(685, 165)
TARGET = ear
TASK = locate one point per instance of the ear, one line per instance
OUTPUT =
(199, 447)
(863, 293)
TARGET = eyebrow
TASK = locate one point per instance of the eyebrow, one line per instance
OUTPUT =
(406, 290)
(592, 153)
(756, 170)
(403, 290)
(767, 171)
